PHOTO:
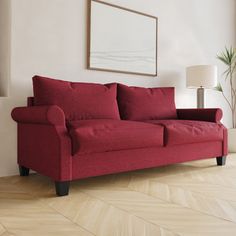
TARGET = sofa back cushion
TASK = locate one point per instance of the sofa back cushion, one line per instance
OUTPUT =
(79, 101)
(136, 103)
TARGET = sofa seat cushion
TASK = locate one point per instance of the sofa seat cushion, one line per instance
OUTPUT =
(103, 135)
(189, 131)
(78, 100)
(137, 103)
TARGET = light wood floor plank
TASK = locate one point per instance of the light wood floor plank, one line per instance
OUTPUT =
(6, 233)
(179, 195)
(25, 215)
(2, 230)
(171, 216)
(102, 218)
(201, 186)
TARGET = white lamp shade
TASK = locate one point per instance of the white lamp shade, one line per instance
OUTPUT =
(201, 76)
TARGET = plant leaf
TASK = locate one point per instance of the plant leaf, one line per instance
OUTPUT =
(218, 87)
(228, 57)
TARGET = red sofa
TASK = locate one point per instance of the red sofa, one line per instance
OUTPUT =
(72, 130)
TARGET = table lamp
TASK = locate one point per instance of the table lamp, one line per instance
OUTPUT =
(201, 77)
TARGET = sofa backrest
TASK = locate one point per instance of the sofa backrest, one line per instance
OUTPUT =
(81, 101)
(137, 103)
(77, 100)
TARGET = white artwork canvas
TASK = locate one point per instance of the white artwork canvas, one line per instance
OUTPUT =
(122, 40)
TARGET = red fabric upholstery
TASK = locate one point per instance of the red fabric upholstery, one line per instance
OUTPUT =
(91, 136)
(45, 149)
(206, 114)
(39, 114)
(77, 100)
(44, 144)
(137, 103)
(30, 101)
(95, 164)
(189, 131)
(225, 142)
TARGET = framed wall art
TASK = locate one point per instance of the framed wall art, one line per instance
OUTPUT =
(121, 40)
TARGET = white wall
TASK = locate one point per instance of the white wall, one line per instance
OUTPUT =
(49, 38)
(5, 28)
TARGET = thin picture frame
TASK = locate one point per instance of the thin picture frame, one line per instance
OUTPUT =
(141, 58)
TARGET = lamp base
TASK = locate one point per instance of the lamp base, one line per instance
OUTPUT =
(200, 97)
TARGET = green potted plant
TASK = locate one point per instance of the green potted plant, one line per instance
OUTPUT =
(228, 57)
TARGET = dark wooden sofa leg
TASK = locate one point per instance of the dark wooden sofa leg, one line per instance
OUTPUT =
(221, 160)
(23, 171)
(62, 188)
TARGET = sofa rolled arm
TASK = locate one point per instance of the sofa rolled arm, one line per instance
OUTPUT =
(201, 114)
(51, 115)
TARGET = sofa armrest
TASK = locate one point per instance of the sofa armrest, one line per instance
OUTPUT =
(202, 114)
(44, 144)
(51, 115)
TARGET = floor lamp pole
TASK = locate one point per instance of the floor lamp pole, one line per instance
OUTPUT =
(200, 97)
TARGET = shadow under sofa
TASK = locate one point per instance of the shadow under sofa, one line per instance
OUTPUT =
(54, 143)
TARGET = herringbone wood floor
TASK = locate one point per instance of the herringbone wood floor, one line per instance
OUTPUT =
(191, 199)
